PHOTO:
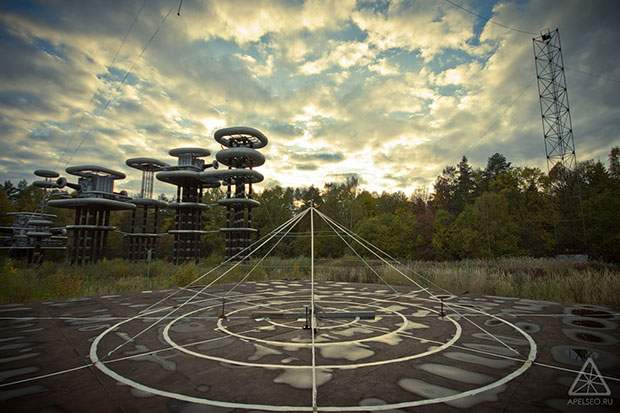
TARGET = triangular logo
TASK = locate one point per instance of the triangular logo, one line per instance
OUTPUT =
(589, 381)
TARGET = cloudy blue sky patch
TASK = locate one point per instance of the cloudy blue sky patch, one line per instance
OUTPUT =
(389, 91)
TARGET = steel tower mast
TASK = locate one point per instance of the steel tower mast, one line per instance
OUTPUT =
(570, 231)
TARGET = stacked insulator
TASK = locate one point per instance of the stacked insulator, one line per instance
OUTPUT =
(31, 233)
(240, 156)
(143, 233)
(188, 206)
(94, 202)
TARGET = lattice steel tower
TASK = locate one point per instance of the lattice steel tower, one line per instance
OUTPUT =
(562, 165)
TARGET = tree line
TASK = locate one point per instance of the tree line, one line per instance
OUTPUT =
(496, 211)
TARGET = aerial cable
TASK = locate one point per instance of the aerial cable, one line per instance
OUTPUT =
(498, 118)
(103, 80)
(123, 80)
(178, 307)
(526, 32)
(488, 19)
(593, 75)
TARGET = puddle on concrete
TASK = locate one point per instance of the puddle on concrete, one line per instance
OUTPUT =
(302, 378)
(215, 344)
(140, 394)
(588, 322)
(592, 313)
(455, 373)
(576, 355)
(15, 346)
(7, 374)
(505, 339)
(502, 351)
(431, 391)
(389, 339)
(3, 340)
(483, 361)
(374, 401)
(191, 327)
(421, 313)
(20, 392)
(589, 337)
(529, 328)
(4, 310)
(350, 352)
(262, 351)
(17, 358)
(350, 332)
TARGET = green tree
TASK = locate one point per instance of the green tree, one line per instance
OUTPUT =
(486, 229)
(444, 188)
(465, 186)
(5, 207)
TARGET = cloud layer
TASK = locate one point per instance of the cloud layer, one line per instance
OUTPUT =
(387, 91)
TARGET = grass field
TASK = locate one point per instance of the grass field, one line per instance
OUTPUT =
(541, 279)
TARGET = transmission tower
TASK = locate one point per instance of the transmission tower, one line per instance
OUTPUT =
(570, 231)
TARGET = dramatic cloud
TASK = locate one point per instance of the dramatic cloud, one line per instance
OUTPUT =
(387, 92)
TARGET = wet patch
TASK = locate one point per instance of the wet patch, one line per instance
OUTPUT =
(302, 378)
(455, 373)
(431, 391)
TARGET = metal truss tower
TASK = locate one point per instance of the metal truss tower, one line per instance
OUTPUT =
(562, 165)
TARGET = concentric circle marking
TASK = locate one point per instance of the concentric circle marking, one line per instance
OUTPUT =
(184, 397)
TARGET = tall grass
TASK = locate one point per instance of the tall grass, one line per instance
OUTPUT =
(540, 279)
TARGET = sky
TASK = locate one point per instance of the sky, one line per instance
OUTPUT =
(388, 91)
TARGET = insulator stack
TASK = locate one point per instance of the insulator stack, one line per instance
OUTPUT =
(188, 206)
(95, 200)
(143, 234)
(240, 156)
(31, 233)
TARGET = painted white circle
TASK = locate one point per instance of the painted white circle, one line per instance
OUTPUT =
(178, 396)
(166, 334)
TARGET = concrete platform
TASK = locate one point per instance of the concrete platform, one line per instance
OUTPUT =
(146, 352)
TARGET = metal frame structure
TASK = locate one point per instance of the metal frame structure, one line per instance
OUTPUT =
(186, 175)
(562, 164)
(31, 233)
(143, 233)
(94, 202)
(240, 156)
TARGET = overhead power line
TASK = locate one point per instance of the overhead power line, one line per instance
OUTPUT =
(123, 81)
(499, 117)
(593, 75)
(526, 32)
(133, 23)
(488, 19)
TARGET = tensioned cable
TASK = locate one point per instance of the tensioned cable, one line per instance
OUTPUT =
(264, 256)
(592, 74)
(122, 81)
(234, 300)
(231, 259)
(488, 353)
(115, 92)
(148, 353)
(195, 295)
(420, 286)
(99, 88)
(250, 272)
(363, 260)
(488, 19)
(499, 117)
(313, 314)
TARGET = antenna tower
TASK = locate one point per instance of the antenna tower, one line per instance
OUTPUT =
(570, 230)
